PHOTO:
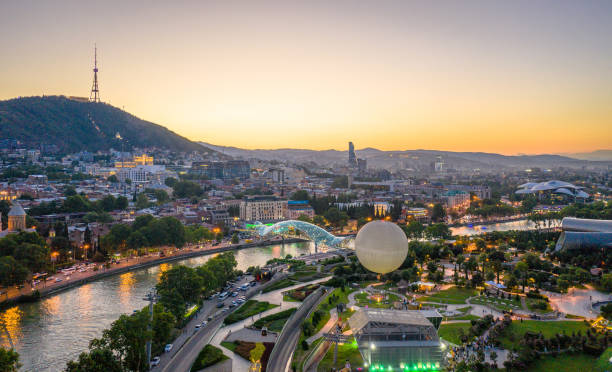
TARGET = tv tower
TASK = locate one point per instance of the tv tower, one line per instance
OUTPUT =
(94, 96)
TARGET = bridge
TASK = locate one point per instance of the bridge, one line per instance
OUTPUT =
(315, 233)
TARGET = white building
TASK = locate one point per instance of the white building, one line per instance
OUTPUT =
(262, 208)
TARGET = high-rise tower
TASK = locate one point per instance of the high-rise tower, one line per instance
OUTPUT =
(352, 160)
(94, 96)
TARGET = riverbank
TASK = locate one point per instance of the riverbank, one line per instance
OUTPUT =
(78, 279)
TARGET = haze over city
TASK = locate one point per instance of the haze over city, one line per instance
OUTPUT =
(395, 75)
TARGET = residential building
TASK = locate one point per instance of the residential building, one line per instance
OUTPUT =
(262, 208)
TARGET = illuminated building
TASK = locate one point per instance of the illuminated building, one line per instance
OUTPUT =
(225, 170)
(417, 214)
(137, 160)
(262, 208)
(456, 199)
(398, 340)
(16, 218)
(297, 208)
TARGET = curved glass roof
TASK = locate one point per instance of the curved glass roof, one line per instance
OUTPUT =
(314, 232)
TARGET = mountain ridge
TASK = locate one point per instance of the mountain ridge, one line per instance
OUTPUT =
(383, 159)
(75, 125)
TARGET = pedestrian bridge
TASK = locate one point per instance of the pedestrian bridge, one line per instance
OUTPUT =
(313, 232)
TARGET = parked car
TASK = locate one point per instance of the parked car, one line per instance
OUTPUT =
(220, 305)
(197, 327)
(155, 361)
(234, 294)
(209, 318)
(168, 348)
(204, 323)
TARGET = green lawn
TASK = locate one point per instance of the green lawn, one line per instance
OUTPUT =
(514, 333)
(209, 356)
(363, 300)
(229, 345)
(249, 308)
(451, 331)
(497, 303)
(532, 301)
(452, 295)
(567, 363)
(306, 276)
(347, 351)
(284, 283)
(275, 322)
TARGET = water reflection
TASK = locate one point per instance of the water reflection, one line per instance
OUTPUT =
(502, 226)
(50, 332)
(11, 324)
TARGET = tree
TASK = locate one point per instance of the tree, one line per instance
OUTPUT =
(336, 217)
(127, 337)
(606, 282)
(606, 311)
(96, 360)
(521, 268)
(108, 203)
(121, 203)
(182, 279)
(112, 178)
(438, 213)
(9, 360)
(142, 201)
(414, 230)
(235, 239)
(11, 271)
(300, 195)
(187, 189)
(32, 256)
(438, 231)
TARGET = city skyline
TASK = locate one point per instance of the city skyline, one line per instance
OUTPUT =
(503, 78)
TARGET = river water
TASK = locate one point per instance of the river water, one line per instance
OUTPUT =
(54, 330)
(501, 226)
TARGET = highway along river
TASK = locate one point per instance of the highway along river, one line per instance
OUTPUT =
(56, 329)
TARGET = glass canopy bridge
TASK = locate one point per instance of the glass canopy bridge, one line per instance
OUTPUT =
(315, 233)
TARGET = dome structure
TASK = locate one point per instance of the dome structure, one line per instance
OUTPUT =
(381, 246)
(554, 186)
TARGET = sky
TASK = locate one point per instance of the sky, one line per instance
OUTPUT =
(510, 77)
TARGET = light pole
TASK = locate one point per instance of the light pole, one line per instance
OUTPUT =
(152, 298)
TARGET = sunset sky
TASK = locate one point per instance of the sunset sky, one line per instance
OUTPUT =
(497, 76)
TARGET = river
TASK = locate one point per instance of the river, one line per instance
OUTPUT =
(50, 332)
(501, 226)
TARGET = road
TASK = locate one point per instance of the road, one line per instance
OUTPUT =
(287, 340)
(188, 345)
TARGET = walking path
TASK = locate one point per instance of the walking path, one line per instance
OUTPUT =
(274, 297)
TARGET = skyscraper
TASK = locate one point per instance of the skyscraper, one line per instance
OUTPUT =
(352, 158)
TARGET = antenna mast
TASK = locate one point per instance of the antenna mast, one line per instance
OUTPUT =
(94, 96)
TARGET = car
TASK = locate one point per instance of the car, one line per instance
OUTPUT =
(168, 348)
(225, 309)
(155, 361)
(234, 294)
(57, 280)
(232, 305)
(204, 323)
(197, 327)
(240, 301)
(220, 305)
(253, 283)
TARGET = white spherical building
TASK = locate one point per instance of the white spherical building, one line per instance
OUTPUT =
(381, 246)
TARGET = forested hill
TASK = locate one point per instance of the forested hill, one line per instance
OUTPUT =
(76, 125)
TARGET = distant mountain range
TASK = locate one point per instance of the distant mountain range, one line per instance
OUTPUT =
(76, 125)
(415, 159)
(598, 155)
